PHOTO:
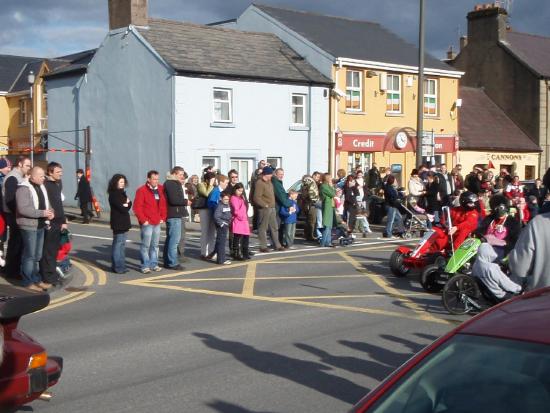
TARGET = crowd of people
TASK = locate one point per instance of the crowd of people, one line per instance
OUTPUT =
(32, 211)
(32, 204)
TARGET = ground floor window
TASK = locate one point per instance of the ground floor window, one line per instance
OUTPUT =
(211, 161)
(275, 161)
(529, 172)
(397, 171)
(358, 160)
(244, 168)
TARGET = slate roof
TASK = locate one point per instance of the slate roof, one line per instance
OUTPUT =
(484, 126)
(10, 69)
(532, 50)
(204, 50)
(70, 64)
(352, 39)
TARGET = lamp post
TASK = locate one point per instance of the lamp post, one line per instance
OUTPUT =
(30, 79)
(420, 107)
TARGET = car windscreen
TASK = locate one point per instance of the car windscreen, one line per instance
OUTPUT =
(475, 374)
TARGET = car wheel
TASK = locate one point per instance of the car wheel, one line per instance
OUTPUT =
(397, 267)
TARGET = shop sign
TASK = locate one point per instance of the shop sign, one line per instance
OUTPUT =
(444, 144)
(505, 157)
(360, 143)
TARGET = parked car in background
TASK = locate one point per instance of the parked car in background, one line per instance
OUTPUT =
(26, 372)
(498, 361)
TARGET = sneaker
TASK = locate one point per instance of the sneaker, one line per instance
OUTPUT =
(157, 269)
(177, 267)
(226, 262)
(145, 270)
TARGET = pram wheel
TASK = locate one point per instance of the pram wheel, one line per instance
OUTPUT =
(431, 279)
(396, 264)
(460, 294)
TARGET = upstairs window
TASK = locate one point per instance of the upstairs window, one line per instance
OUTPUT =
(354, 90)
(23, 112)
(298, 110)
(223, 107)
(430, 97)
(393, 94)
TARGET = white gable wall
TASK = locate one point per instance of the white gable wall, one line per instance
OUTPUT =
(261, 126)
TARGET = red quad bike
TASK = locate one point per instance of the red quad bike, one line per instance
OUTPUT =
(26, 371)
(433, 246)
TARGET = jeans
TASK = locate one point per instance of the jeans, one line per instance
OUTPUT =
(326, 240)
(394, 218)
(173, 236)
(319, 212)
(150, 235)
(288, 234)
(33, 242)
(221, 240)
(118, 252)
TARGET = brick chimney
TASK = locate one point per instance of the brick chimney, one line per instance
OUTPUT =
(487, 23)
(122, 13)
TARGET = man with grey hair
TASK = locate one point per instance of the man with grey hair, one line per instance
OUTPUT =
(33, 216)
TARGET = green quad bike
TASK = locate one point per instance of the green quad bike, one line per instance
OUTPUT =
(435, 276)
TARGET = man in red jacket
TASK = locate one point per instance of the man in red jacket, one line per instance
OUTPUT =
(150, 210)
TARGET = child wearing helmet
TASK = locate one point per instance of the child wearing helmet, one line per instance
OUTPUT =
(500, 228)
(464, 219)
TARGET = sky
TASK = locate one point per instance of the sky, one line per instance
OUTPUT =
(52, 28)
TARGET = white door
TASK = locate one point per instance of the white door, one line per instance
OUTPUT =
(244, 167)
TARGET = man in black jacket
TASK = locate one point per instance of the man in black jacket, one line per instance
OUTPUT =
(52, 235)
(84, 195)
(176, 210)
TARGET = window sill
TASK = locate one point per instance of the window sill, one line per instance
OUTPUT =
(432, 117)
(395, 115)
(222, 125)
(298, 128)
(354, 112)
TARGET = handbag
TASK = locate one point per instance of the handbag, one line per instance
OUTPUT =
(198, 203)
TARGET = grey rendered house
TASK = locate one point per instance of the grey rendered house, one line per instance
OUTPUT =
(159, 93)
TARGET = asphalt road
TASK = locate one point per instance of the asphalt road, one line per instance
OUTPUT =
(310, 330)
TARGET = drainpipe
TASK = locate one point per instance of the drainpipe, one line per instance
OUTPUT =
(547, 144)
(332, 162)
(309, 171)
(173, 134)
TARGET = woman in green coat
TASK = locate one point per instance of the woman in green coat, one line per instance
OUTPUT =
(327, 193)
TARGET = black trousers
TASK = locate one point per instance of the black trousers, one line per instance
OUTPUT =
(15, 248)
(85, 210)
(52, 241)
(221, 241)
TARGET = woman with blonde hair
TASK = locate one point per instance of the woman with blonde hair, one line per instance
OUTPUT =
(208, 229)
(327, 193)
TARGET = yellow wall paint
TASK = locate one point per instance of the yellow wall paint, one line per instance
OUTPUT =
(373, 117)
(4, 123)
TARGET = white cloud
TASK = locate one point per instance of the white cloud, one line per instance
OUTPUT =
(18, 16)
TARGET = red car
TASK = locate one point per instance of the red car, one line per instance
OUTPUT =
(498, 361)
(26, 371)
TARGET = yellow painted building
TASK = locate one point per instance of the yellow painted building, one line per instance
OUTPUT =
(23, 119)
(374, 114)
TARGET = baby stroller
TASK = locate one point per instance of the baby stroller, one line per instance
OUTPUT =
(341, 233)
(414, 222)
(63, 263)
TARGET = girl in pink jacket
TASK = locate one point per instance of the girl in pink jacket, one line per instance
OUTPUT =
(239, 224)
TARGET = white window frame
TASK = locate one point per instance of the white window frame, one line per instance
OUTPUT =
(392, 91)
(354, 88)
(303, 106)
(229, 101)
(430, 96)
(23, 113)
(216, 159)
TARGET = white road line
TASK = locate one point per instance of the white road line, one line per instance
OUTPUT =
(94, 237)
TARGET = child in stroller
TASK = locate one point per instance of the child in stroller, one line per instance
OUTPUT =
(341, 233)
(63, 266)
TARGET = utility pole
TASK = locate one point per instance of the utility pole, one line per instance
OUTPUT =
(30, 80)
(420, 103)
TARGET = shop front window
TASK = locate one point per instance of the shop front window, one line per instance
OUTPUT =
(529, 172)
(358, 160)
